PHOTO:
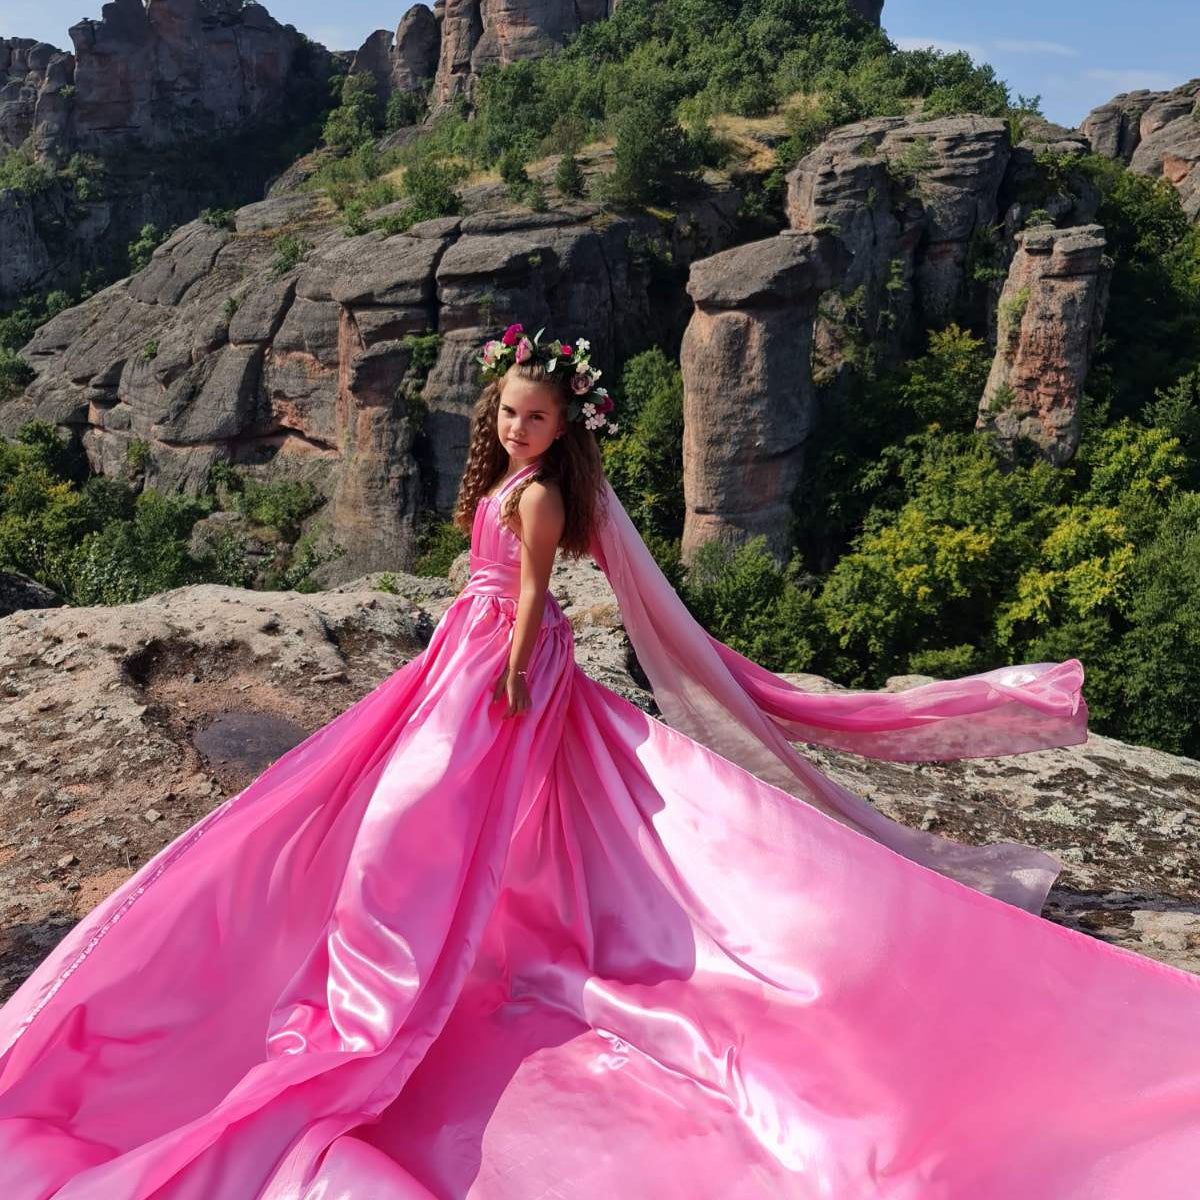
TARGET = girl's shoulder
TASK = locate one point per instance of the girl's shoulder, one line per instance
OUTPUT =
(540, 495)
(540, 498)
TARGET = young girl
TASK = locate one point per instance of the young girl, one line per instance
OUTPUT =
(494, 933)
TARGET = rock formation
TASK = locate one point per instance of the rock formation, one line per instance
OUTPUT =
(479, 33)
(31, 95)
(1156, 134)
(146, 82)
(907, 198)
(1050, 315)
(154, 73)
(211, 354)
(18, 591)
(917, 206)
(749, 402)
(121, 727)
(406, 61)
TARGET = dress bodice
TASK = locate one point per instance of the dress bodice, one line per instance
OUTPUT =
(495, 556)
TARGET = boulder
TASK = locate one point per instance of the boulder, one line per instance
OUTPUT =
(19, 591)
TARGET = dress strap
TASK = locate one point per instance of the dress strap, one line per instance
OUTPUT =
(513, 480)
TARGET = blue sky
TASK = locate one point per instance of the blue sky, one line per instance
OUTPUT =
(1074, 54)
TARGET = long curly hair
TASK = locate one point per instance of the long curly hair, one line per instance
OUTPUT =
(572, 461)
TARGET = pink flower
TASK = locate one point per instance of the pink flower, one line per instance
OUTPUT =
(511, 334)
(489, 351)
(566, 351)
(524, 349)
(605, 405)
(580, 384)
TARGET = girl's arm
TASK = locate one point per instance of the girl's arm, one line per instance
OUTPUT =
(542, 520)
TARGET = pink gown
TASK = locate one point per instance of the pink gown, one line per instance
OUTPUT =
(432, 953)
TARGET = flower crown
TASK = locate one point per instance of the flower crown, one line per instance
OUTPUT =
(589, 402)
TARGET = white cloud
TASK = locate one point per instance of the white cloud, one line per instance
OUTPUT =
(920, 43)
(1133, 78)
(1026, 47)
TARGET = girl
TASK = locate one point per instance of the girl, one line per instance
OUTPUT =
(494, 933)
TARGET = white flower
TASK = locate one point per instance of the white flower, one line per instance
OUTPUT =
(582, 343)
(596, 374)
(611, 427)
(589, 407)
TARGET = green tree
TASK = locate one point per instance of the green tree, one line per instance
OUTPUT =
(357, 117)
(512, 172)
(653, 158)
(644, 460)
(568, 176)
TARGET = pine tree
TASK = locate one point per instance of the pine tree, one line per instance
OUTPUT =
(568, 177)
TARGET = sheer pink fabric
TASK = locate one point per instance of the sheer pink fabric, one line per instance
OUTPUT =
(747, 714)
(436, 954)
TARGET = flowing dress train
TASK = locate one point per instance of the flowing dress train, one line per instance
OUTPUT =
(432, 953)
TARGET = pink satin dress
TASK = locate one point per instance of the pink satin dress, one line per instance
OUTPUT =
(433, 953)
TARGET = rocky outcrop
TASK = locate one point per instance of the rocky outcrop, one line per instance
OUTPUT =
(749, 404)
(918, 208)
(922, 206)
(148, 85)
(121, 727)
(1050, 315)
(216, 351)
(479, 33)
(33, 105)
(18, 591)
(474, 34)
(406, 61)
(153, 73)
(907, 198)
(1156, 134)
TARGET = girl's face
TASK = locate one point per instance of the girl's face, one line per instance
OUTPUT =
(530, 417)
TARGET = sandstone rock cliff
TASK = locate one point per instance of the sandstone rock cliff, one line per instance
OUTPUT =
(917, 208)
(906, 197)
(479, 33)
(146, 81)
(152, 73)
(749, 400)
(405, 61)
(1051, 313)
(211, 354)
(1155, 133)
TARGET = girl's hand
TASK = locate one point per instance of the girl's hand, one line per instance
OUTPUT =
(515, 688)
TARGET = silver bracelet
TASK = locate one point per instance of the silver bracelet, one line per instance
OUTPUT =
(521, 672)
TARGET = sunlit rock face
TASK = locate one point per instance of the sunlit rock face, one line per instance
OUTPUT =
(1156, 134)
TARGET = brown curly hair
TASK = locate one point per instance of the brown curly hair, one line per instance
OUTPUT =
(572, 461)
